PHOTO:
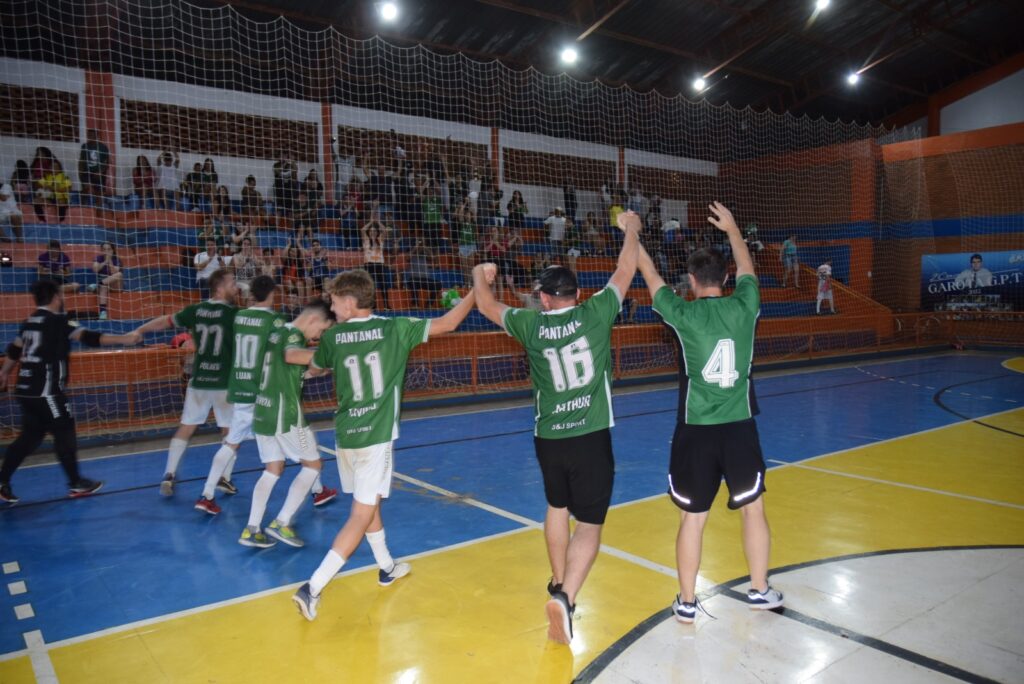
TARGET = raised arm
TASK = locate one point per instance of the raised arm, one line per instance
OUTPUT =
(722, 219)
(493, 310)
(630, 224)
(91, 338)
(158, 323)
(654, 281)
(451, 320)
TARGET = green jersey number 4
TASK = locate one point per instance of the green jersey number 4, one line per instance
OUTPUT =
(372, 361)
(721, 367)
(572, 366)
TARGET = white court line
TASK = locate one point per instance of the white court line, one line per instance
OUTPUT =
(24, 611)
(12, 567)
(903, 485)
(15, 588)
(42, 666)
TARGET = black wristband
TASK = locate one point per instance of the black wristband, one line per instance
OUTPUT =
(13, 351)
(91, 338)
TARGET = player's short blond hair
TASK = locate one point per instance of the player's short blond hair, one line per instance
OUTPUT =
(356, 283)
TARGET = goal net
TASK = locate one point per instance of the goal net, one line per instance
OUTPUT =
(140, 135)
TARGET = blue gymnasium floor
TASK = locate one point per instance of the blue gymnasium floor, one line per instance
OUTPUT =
(127, 554)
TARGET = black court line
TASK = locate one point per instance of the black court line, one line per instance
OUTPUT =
(937, 398)
(527, 430)
(608, 656)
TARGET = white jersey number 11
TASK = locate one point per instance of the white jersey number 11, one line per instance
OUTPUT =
(721, 367)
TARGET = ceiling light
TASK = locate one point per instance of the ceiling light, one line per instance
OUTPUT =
(853, 78)
(569, 55)
(699, 84)
(821, 4)
(388, 11)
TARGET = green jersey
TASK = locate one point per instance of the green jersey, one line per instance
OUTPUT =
(368, 357)
(252, 330)
(716, 335)
(279, 402)
(211, 324)
(570, 363)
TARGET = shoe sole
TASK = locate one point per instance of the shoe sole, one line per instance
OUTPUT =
(254, 545)
(229, 492)
(683, 619)
(206, 510)
(294, 543)
(327, 500)
(79, 495)
(166, 488)
(766, 606)
(558, 629)
(302, 608)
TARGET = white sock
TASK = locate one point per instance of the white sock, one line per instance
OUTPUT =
(296, 495)
(380, 550)
(220, 461)
(174, 453)
(329, 567)
(260, 497)
(318, 485)
(230, 468)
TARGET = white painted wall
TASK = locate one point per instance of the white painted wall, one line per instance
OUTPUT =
(997, 105)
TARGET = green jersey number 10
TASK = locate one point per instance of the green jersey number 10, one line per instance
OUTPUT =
(372, 361)
(721, 367)
(572, 366)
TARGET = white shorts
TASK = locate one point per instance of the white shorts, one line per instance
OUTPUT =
(7, 211)
(198, 403)
(366, 473)
(241, 423)
(822, 296)
(298, 444)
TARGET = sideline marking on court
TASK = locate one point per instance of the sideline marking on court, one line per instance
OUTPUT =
(11, 567)
(42, 666)
(24, 611)
(16, 588)
(902, 484)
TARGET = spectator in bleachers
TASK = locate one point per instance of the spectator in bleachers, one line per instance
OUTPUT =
(636, 200)
(246, 265)
(143, 180)
(517, 210)
(569, 198)
(209, 179)
(433, 221)
(420, 275)
(375, 190)
(211, 230)
(93, 166)
(502, 249)
(406, 201)
(109, 276)
(253, 211)
(10, 214)
(355, 192)
(475, 185)
(50, 184)
(573, 243)
(653, 215)
(241, 231)
(465, 227)
(607, 190)
(555, 223)
(319, 268)
(344, 163)
(223, 212)
(294, 275)
(206, 263)
(306, 220)
(490, 202)
(616, 208)
(168, 180)
(286, 190)
(55, 265)
(269, 265)
(192, 187)
(21, 181)
(593, 233)
(349, 221)
(314, 189)
(374, 248)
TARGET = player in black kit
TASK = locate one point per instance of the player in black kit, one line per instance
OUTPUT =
(43, 346)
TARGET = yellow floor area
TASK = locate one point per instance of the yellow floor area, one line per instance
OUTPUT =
(1016, 364)
(475, 613)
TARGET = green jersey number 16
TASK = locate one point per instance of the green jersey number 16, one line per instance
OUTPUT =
(572, 366)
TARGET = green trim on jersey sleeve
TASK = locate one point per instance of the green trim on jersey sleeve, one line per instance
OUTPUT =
(412, 331)
(669, 306)
(519, 322)
(606, 303)
(748, 292)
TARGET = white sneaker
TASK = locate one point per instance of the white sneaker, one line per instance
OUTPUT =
(386, 579)
(764, 600)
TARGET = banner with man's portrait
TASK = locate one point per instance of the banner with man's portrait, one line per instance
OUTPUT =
(973, 281)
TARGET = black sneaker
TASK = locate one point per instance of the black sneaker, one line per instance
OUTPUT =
(227, 486)
(84, 487)
(560, 618)
(6, 494)
(553, 588)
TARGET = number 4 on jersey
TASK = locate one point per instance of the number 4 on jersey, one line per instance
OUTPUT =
(721, 367)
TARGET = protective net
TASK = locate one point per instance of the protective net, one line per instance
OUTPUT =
(141, 135)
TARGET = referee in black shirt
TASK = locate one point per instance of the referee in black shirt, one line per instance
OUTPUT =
(43, 346)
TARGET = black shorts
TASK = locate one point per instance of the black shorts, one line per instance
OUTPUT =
(578, 474)
(703, 454)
